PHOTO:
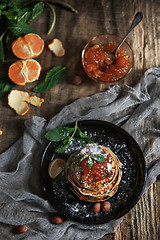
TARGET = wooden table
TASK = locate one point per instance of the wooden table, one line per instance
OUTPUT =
(74, 30)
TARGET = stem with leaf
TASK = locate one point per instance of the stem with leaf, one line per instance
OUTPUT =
(66, 142)
(56, 2)
(65, 4)
(53, 20)
(65, 135)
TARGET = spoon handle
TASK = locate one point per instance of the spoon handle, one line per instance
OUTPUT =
(137, 19)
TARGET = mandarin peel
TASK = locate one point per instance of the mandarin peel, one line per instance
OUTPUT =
(27, 47)
(56, 47)
(18, 100)
(24, 71)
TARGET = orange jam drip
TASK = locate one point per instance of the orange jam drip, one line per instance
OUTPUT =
(96, 173)
(97, 62)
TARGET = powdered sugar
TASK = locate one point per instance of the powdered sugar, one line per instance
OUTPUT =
(91, 148)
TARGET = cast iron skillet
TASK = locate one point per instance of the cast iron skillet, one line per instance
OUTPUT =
(131, 186)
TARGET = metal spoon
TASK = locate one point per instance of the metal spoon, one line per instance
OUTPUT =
(137, 19)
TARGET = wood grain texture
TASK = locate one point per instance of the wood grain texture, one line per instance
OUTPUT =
(94, 17)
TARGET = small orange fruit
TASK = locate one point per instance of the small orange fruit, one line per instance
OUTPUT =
(24, 71)
(29, 46)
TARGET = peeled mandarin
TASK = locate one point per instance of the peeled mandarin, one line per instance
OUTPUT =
(24, 71)
(29, 46)
(56, 167)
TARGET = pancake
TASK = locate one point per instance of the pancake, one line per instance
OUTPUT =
(94, 173)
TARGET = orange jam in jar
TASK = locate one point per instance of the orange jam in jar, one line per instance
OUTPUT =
(97, 60)
(98, 65)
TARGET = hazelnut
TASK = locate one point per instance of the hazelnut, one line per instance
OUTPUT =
(76, 80)
(106, 206)
(56, 220)
(96, 208)
(21, 229)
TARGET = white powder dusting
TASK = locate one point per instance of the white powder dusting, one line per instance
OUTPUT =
(109, 166)
(91, 148)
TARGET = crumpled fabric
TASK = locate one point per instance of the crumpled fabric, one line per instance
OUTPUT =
(22, 200)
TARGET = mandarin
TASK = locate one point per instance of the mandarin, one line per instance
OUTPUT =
(29, 46)
(24, 71)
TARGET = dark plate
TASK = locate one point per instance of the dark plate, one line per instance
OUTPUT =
(131, 185)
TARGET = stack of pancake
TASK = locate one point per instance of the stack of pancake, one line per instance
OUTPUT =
(97, 182)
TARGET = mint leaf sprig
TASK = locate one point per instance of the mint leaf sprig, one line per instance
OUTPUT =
(54, 77)
(64, 135)
(99, 158)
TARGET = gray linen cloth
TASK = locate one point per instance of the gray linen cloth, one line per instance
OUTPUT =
(22, 201)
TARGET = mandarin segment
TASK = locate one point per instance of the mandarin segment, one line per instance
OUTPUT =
(16, 74)
(24, 71)
(31, 70)
(35, 44)
(29, 46)
(20, 48)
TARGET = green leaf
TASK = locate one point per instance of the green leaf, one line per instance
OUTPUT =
(29, 13)
(80, 158)
(60, 3)
(2, 6)
(11, 14)
(14, 4)
(99, 158)
(90, 162)
(16, 30)
(5, 85)
(2, 56)
(53, 78)
(19, 29)
(58, 134)
(66, 142)
(82, 138)
(63, 146)
(9, 40)
(61, 134)
(65, 134)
